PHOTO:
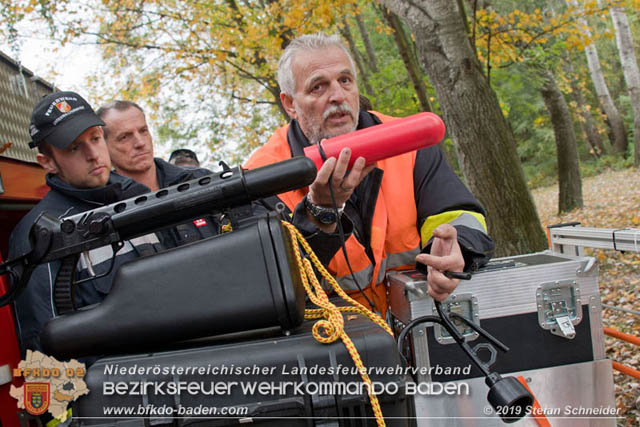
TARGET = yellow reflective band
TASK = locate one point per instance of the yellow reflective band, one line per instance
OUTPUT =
(54, 422)
(468, 218)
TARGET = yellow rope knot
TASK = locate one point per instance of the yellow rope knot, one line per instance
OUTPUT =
(330, 327)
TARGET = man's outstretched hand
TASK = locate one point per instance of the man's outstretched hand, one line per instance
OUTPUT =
(445, 256)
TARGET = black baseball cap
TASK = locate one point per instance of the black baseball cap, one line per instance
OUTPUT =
(61, 117)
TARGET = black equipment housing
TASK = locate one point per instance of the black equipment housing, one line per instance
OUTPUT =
(238, 281)
(265, 349)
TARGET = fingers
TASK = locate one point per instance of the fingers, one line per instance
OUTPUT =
(445, 231)
(325, 171)
(442, 263)
(366, 170)
(445, 252)
(340, 169)
(445, 256)
(343, 180)
(443, 238)
(440, 286)
(351, 181)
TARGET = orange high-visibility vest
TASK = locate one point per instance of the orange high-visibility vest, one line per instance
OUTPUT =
(395, 236)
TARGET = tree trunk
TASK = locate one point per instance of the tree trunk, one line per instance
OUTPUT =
(484, 143)
(588, 124)
(570, 185)
(408, 57)
(619, 141)
(355, 53)
(463, 15)
(371, 55)
(624, 41)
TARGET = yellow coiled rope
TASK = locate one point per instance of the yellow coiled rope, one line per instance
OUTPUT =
(332, 323)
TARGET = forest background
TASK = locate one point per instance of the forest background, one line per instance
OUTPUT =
(533, 93)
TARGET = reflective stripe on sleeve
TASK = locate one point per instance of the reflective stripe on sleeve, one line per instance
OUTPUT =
(470, 219)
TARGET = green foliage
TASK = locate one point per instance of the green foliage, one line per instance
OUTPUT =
(205, 70)
(624, 103)
(514, 78)
(604, 163)
(517, 89)
(393, 92)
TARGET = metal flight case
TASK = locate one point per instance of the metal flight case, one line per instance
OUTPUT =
(546, 308)
(296, 381)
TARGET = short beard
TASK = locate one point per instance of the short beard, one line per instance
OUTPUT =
(320, 134)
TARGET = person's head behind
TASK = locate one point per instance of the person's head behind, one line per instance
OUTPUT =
(317, 79)
(184, 157)
(128, 138)
(69, 138)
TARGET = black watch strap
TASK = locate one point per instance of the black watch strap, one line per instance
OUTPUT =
(322, 214)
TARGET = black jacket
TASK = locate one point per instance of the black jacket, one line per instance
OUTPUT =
(35, 305)
(196, 228)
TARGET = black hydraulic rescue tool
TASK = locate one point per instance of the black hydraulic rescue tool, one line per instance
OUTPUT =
(52, 238)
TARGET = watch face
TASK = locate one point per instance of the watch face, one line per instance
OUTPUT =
(326, 217)
(321, 214)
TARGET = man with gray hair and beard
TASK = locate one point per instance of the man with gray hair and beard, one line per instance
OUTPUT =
(400, 210)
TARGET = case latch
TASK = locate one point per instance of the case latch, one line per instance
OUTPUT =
(559, 307)
(464, 304)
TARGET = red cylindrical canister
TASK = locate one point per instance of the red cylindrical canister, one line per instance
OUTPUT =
(383, 141)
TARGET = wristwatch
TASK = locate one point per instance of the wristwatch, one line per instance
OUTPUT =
(322, 214)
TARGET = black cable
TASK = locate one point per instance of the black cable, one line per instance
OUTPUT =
(403, 333)
(446, 322)
(413, 324)
(483, 333)
(459, 339)
(334, 205)
(17, 283)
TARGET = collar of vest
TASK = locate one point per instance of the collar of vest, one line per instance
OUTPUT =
(362, 204)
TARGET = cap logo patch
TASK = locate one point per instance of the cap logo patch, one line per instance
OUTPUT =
(63, 106)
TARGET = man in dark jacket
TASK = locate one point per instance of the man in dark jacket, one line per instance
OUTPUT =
(69, 138)
(185, 158)
(131, 150)
(401, 210)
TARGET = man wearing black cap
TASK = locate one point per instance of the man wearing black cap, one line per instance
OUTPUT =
(184, 157)
(69, 138)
